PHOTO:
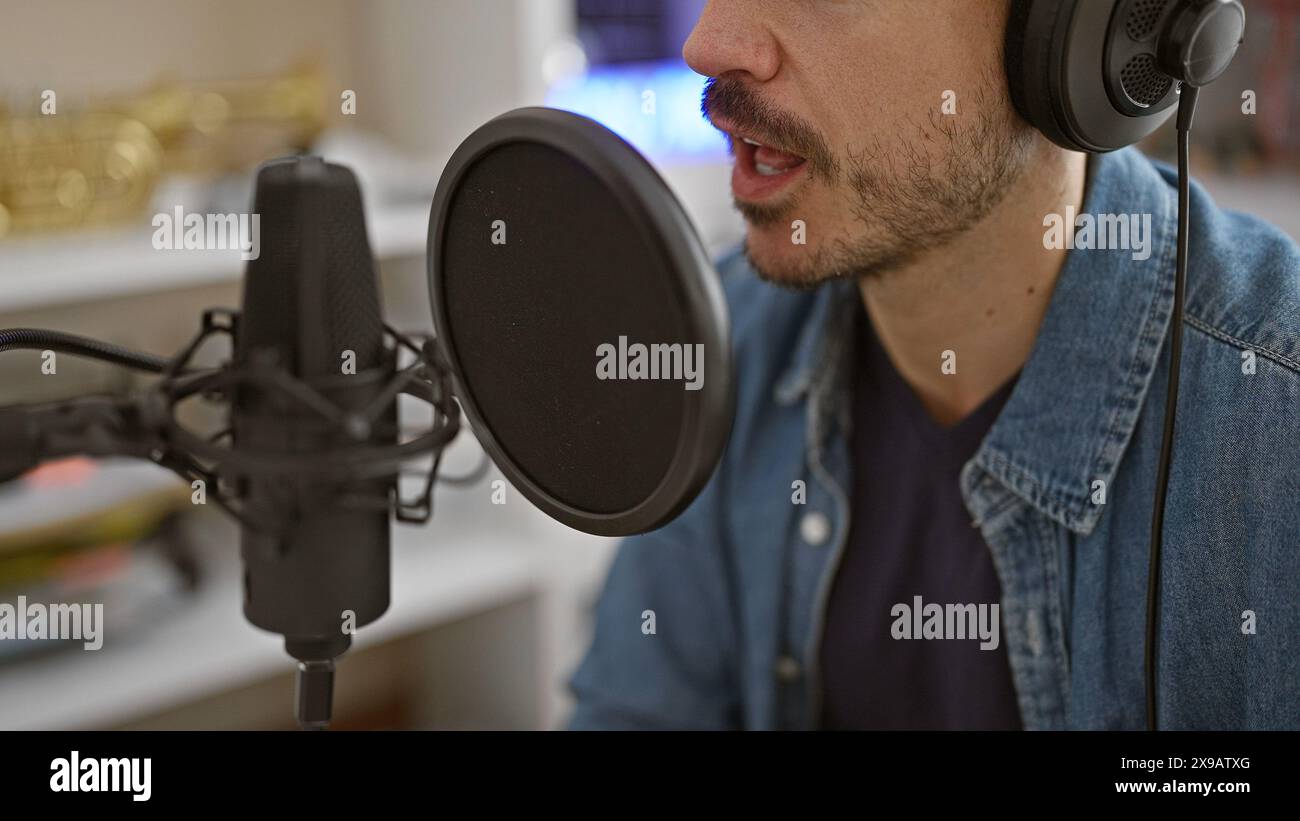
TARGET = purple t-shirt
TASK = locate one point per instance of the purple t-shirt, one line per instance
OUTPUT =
(893, 655)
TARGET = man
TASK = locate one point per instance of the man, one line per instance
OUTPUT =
(935, 506)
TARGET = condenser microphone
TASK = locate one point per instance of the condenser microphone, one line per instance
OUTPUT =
(308, 462)
(311, 311)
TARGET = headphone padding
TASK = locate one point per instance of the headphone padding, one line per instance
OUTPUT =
(1032, 28)
(1013, 54)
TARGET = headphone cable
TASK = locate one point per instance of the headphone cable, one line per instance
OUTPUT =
(1186, 112)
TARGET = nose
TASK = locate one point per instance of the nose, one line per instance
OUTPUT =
(728, 38)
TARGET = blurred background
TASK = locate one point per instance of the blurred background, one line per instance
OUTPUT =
(111, 113)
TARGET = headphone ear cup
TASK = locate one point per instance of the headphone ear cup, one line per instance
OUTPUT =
(1056, 56)
(1031, 43)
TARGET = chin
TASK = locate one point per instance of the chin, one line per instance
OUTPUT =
(777, 260)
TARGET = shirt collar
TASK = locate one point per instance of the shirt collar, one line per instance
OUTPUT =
(818, 337)
(1073, 410)
(1077, 400)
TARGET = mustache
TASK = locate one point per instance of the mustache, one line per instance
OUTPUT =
(733, 101)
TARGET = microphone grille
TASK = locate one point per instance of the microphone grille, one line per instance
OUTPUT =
(352, 298)
(312, 293)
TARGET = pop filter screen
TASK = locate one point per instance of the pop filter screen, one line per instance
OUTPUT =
(582, 320)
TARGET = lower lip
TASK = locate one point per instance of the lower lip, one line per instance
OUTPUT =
(750, 186)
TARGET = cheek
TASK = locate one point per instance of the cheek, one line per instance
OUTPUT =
(866, 110)
(877, 90)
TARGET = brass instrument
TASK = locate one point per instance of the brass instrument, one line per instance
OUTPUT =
(101, 164)
(232, 125)
(61, 172)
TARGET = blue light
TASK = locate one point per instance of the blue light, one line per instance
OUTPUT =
(667, 127)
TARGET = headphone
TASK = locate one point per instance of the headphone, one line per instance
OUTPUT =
(1098, 75)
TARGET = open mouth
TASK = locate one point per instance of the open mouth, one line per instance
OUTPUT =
(762, 171)
(769, 161)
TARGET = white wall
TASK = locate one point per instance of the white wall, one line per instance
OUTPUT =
(435, 71)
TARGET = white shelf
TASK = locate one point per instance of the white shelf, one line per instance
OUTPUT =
(59, 269)
(84, 266)
(471, 557)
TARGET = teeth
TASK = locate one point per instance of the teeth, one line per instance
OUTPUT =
(766, 170)
(748, 141)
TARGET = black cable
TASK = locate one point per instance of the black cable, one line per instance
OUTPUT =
(38, 339)
(1186, 112)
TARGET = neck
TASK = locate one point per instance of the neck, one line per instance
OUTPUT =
(981, 297)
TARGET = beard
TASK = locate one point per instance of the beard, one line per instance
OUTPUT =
(942, 177)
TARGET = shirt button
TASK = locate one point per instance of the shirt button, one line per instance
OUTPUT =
(815, 528)
(788, 670)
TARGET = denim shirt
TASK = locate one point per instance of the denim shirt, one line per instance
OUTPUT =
(738, 583)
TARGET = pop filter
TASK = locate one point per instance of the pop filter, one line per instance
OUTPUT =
(582, 321)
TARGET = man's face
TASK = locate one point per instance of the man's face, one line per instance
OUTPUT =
(883, 125)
